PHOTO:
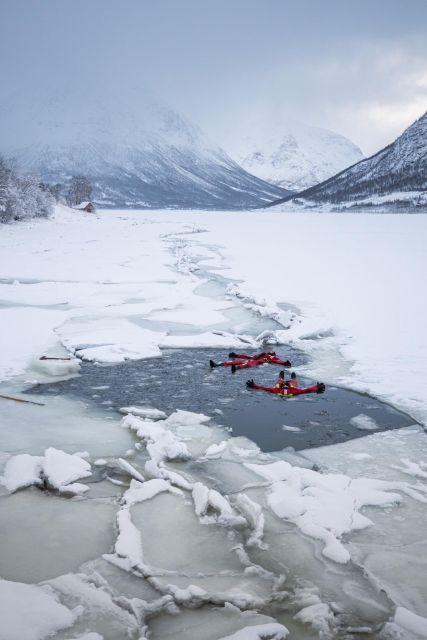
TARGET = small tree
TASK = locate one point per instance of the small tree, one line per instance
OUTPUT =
(79, 190)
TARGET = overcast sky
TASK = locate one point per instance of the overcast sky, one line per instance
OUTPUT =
(356, 67)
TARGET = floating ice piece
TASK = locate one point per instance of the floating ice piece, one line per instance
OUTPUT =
(30, 612)
(272, 631)
(60, 468)
(364, 422)
(128, 544)
(139, 492)
(161, 471)
(253, 514)
(22, 471)
(239, 447)
(209, 339)
(326, 506)
(117, 617)
(192, 595)
(144, 412)
(168, 447)
(128, 468)
(57, 368)
(161, 443)
(186, 418)
(211, 507)
(287, 427)
(318, 615)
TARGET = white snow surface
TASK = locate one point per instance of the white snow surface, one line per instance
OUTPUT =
(29, 612)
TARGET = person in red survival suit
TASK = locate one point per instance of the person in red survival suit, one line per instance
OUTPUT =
(264, 357)
(243, 361)
(285, 389)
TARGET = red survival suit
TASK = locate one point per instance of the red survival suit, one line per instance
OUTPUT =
(284, 391)
(243, 361)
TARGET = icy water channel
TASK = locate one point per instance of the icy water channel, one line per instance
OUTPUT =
(182, 379)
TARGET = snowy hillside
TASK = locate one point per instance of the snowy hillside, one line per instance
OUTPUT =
(394, 178)
(137, 153)
(289, 153)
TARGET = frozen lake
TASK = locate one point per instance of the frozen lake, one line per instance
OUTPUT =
(234, 512)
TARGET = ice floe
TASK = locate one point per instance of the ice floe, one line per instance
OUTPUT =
(364, 422)
(327, 506)
(56, 469)
(30, 612)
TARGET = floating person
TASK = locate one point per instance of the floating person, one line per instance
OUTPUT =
(243, 361)
(285, 390)
(265, 356)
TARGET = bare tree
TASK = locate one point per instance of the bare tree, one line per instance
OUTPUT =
(79, 190)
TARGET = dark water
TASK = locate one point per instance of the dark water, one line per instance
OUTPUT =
(182, 379)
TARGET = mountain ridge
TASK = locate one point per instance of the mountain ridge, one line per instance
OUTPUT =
(138, 153)
(399, 168)
(288, 153)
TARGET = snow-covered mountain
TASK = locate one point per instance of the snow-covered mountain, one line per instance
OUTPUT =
(289, 153)
(135, 151)
(395, 177)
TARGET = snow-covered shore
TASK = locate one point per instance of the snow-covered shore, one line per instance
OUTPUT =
(124, 285)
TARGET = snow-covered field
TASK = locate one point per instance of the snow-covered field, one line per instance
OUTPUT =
(167, 526)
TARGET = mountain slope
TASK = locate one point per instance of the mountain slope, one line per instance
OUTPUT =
(288, 153)
(397, 173)
(135, 152)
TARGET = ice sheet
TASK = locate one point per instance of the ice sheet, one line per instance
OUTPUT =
(43, 535)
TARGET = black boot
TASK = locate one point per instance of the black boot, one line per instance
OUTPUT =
(287, 363)
(212, 364)
(320, 387)
(250, 384)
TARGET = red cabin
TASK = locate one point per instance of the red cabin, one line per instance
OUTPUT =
(85, 206)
